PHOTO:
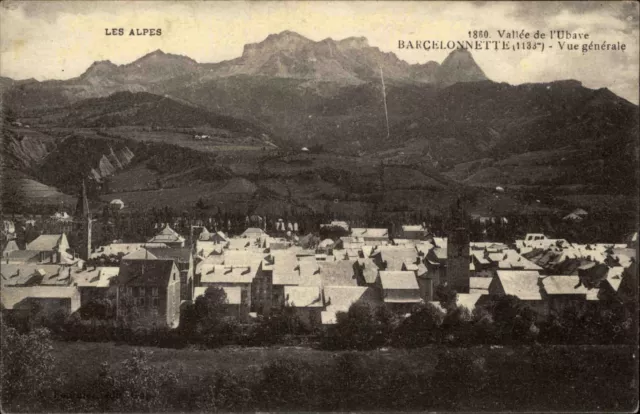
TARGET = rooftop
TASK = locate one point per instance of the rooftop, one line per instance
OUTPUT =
(12, 296)
(303, 296)
(369, 232)
(146, 272)
(228, 274)
(398, 280)
(45, 242)
(340, 298)
(520, 283)
(567, 285)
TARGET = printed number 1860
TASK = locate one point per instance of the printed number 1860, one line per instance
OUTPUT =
(478, 34)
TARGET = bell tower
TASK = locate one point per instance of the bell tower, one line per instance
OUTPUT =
(82, 222)
(458, 257)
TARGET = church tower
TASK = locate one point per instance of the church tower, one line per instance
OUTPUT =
(82, 221)
(458, 257)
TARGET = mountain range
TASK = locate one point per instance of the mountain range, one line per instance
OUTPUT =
(445, 118)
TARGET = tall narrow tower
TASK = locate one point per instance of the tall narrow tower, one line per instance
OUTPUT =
(82, 220)
(458, 258)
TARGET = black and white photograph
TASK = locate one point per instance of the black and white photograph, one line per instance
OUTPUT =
(319, 206)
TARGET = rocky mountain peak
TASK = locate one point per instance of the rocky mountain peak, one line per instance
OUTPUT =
(459, 66)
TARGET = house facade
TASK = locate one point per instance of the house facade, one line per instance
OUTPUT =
(149, 292)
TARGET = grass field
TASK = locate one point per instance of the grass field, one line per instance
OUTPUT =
(582, 378)
(83, 359)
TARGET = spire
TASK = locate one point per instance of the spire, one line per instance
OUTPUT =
(82, 208)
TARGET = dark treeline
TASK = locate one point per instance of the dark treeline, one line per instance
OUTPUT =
(138, 226)
(498, 320)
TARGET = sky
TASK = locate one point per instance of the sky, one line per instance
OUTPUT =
(60, 40)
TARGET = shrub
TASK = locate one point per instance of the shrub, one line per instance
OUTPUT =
(28, 369)
(362, 327)
(423, 327)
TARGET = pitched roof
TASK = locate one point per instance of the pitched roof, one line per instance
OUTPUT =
(12, 296)
(440, 242)
(228, 274)
(294, 272)
(340, 298)
(468, 300)
(94, 277)
(614, 277)
(167, 235)
(338, 273)
(243, 258)
(440, 253)
(328, 318)
(10, 246)
(412, 227)
(479, 283)
(369, 232)
(146, 272)
(34, 273)
(140, 254)
(179, 254)
(398, 280)
(303, 296)
(567, 285)
(396, 256)
(23, 256)
(369, 269)
(253, 232)
(520, 283)
(207, 248)
(45, 242)
(124, 248)
(510, 259)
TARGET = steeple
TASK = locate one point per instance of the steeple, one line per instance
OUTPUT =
(82, 207)
(458, 255)
(82, 219)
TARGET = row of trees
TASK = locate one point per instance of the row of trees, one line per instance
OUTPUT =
(502, 320)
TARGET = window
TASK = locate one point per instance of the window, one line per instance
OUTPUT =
(143, 292)
(154, 291)
(141, 301)
(155, 302)
(129, 291)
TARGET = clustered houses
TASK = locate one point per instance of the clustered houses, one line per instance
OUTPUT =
(261, 274)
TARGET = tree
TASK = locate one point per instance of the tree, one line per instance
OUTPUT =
(362, 327)
(210, 307)
(136, 386)
(447, 296)
(97, 308)
(512, 318)
(273, 328)
(333, 232)
(209, 318)
(28, 368)
(423, 327)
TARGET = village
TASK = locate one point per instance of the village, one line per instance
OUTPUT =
(150, 282)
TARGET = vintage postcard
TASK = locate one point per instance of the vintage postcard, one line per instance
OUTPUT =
(287, 206)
